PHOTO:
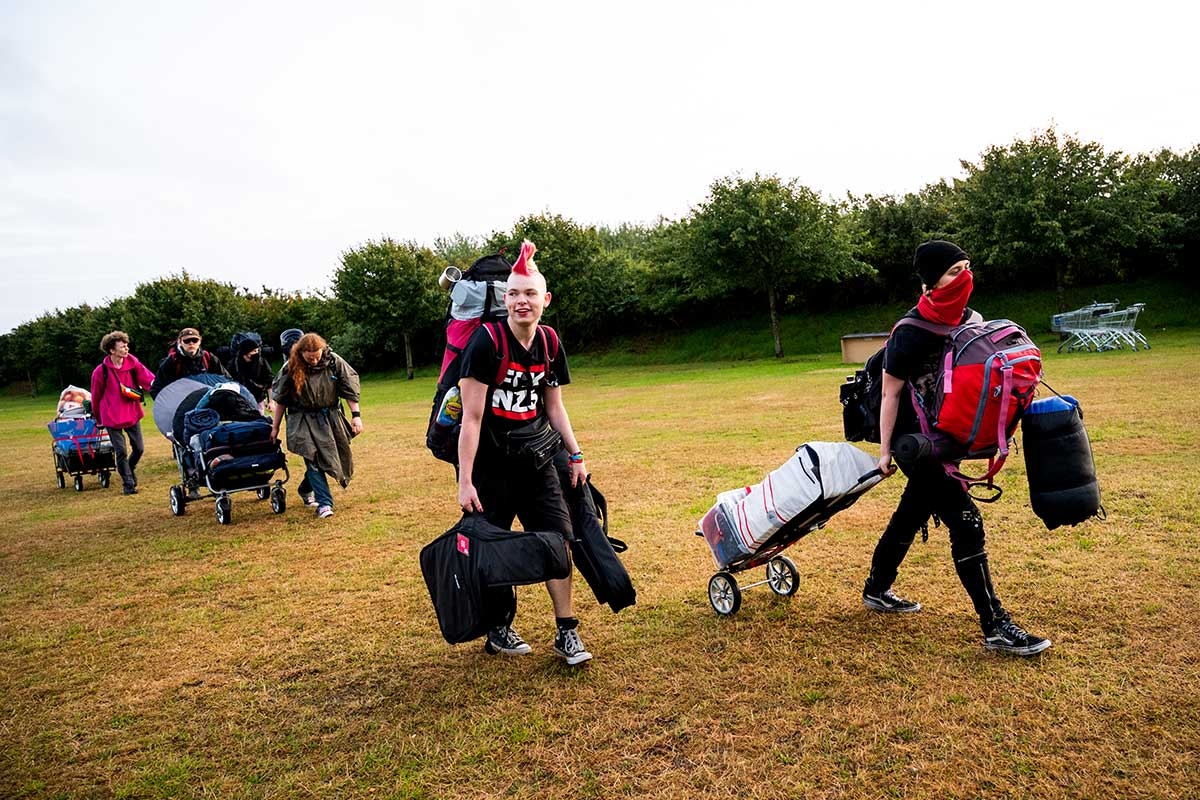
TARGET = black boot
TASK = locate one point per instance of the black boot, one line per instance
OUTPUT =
(977, 580)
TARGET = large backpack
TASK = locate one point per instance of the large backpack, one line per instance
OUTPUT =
(477, 297)
(442, 438)
(970, 406)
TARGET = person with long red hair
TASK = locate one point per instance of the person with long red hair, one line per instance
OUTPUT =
(309, 391)
(910, 359)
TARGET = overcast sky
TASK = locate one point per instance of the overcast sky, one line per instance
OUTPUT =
(254, 142)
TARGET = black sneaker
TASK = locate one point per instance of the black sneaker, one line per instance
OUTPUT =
(1006, 636)
(889, 602)
(568, 645)
(130, 489)
(507, 641)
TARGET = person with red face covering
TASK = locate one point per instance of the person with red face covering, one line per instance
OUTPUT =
(910, 357)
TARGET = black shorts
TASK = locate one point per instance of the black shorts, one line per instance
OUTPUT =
(533, 496)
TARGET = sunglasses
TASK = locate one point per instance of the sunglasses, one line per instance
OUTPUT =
(191, 340)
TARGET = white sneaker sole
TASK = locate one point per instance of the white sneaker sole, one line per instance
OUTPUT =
(1009, 650)
(878, 605)
(578, 658)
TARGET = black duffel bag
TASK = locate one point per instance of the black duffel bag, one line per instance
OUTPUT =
(470, 569)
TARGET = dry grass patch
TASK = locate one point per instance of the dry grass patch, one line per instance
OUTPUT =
(150, 656)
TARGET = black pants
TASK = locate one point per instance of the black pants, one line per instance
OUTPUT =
(127, 461)
(931, 491)
(507, 492)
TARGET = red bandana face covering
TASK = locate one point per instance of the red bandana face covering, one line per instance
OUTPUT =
(945, 306)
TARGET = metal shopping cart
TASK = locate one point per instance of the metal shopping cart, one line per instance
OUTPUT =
(1075, 324)
(1099, 327)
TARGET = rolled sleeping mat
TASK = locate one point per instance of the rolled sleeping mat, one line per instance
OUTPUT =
(1063, 489)
(912, 448)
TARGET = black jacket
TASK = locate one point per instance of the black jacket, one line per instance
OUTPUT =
(178, 365)
(255, 376)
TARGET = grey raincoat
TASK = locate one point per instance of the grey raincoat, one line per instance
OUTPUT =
(317, 428)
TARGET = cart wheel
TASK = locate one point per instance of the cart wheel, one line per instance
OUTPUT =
(79, 483)
(178, 502)
(104, 480)
(724, 594)
(62, 481)
(263, 493)
(224, 509)
(278, 499)
(782, 576)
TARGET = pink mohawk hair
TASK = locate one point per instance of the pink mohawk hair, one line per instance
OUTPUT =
(525, 264)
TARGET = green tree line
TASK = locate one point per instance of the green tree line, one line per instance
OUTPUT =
(1048, 212)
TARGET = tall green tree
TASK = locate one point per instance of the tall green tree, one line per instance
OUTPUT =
(1051, 210)
(158, 309)
(888, 229)
(388, 291)
(1176, 179)
(764, 236)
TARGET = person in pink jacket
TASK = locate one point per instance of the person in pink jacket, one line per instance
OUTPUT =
(118, 385)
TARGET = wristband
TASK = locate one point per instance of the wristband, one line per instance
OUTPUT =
(356, 413)
(575, 458)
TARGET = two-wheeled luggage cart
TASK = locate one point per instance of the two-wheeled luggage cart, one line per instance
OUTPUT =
(751, 526)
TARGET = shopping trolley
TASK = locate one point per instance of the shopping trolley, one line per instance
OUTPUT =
(1098, 327)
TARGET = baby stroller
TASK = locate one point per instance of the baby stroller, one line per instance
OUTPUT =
(750, 526)
(81, 447)
(222, 444)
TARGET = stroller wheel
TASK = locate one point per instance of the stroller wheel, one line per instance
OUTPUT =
(263, 493)
(224, 509)
(62, 481)
(724, 594)
(104, 480)
(278, 499)
(782, 576)
(79, 483)
(178, 503)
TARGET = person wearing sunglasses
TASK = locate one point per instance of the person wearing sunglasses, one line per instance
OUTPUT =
(185, 357)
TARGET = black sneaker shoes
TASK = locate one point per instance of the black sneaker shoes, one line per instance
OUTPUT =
(1006, 636)
(889, 602)
(569, 646)
(507, 641)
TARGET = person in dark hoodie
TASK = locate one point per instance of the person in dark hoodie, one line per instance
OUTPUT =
(186, 357)
(248, 367)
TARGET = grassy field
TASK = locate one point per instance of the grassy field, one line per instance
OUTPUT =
(143, 655)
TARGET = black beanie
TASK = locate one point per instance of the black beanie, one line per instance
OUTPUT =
(934, 258)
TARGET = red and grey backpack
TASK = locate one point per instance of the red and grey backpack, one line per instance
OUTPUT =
(983, 384)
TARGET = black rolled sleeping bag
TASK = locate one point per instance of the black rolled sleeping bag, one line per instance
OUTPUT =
(1063, 489)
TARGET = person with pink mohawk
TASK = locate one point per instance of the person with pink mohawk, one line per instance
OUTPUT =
(512, 427)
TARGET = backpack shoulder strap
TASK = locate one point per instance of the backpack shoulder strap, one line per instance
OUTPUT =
(925, 325)
(550, 343)
(500, 343)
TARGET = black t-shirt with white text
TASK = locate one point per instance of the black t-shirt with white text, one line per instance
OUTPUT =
(516, 400)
